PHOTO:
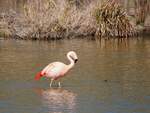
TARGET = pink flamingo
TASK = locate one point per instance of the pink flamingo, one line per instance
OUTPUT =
(57, 70)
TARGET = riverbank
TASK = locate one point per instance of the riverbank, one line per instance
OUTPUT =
(60, 19)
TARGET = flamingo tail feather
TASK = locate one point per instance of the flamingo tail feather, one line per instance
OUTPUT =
(38, 76)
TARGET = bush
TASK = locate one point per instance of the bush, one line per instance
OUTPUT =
(112, 20)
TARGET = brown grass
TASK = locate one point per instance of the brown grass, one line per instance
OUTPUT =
(112, 20)
(57, 19)
(142, 10)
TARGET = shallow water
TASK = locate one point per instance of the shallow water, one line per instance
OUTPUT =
(111, 76)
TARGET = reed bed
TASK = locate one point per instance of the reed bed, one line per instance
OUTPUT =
(112, 20)
(142, 10)
(57, 19)
(4, 26)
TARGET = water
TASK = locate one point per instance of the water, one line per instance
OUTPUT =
(111, 76)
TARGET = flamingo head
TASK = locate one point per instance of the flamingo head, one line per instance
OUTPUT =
(73, 56)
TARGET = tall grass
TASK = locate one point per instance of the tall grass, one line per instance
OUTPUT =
(112, 20)
(4, 26)
(41, 19)
(142, 10)
(56, 19)
(49, 19)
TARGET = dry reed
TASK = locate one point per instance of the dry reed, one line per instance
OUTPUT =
(57, 19)
(112, 20)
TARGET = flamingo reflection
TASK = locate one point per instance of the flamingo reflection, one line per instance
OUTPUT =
(58, 100)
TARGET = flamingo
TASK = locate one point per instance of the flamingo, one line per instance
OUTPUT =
(56, 70)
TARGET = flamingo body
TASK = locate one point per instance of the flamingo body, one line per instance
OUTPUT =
(57, 70)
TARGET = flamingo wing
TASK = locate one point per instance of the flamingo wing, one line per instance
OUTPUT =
(48, 68)
(53, 69)
(45, 71)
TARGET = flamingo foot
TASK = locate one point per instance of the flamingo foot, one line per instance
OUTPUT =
(51, 83)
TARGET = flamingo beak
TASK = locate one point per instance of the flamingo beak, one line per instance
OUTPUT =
(75, 61)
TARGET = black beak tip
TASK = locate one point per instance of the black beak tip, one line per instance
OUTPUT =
(75, 61)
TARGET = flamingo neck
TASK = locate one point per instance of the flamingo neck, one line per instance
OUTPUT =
(71, 62)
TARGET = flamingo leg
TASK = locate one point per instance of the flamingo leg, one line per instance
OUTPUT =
(59, 84)
(51, 83)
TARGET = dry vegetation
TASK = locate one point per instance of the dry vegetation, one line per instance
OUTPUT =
(142, 10)
(56, 19)
(4, 26)
(112, 20)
